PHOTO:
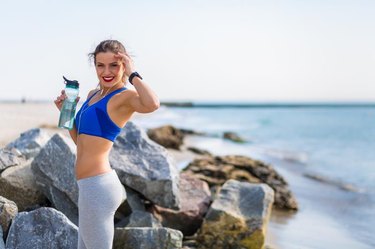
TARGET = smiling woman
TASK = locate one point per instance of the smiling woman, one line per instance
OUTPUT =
(97, 124)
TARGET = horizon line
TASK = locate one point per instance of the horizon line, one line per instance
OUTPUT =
(241, 103)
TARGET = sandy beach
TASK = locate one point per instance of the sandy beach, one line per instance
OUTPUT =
(311, 227)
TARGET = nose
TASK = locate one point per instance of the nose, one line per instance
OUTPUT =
(106, 70)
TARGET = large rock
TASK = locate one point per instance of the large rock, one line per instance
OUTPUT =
(2, 245)
(30, 142)
(216, 170)
(53, 169)
(42, 228)
(147, 238)
(18, 183)
(167, 136)
(8, 210)
(10, 157)
(238, 217)
(195, 200)
(139, 219)
(133, 202)
(146, 167)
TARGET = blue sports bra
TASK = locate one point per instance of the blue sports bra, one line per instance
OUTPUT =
(94, 119)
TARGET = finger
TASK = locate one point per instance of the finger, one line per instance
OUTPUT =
(120, 55)
(124, 56)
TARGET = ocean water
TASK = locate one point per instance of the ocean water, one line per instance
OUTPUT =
(336, 143)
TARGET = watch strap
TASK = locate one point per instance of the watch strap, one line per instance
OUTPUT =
(132, 75)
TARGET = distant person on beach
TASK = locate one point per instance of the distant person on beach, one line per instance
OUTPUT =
(96, 126)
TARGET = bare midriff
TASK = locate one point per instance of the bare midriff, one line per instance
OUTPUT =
(92, 156)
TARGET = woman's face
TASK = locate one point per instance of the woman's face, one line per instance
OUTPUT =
(109, 69)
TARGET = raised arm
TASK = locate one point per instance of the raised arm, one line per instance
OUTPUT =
(144, 99)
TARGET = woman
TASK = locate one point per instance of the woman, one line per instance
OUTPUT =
(96, 126)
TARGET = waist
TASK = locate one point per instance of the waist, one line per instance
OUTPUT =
(91, 166)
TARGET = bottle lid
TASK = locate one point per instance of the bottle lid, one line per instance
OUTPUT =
(71, 82)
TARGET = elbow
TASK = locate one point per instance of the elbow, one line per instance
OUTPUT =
(155, 106)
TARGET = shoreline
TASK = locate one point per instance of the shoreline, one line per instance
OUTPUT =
(285, 230)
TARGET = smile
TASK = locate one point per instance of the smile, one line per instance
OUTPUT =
(108, 79)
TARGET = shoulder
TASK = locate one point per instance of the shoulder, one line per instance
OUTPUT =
(126, 96)
(131, 100)
(91, 92)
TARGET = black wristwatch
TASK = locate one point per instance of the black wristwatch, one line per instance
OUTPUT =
(132, 75)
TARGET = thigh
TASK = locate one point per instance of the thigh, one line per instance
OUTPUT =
(81, 244)
(98, 199)
(96, 229)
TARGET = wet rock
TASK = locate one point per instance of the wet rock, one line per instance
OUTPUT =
(191, 132)
(42, 228)
(147, 238)
(146, 167)
(195, 200)
(167, 136)
(199, 151)
(233, 136)
(217, 170)
(333, 182)
(238, 218)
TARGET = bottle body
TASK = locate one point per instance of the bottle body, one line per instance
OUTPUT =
(68, 108)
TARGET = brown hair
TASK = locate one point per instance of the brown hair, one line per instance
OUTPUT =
(113, 46)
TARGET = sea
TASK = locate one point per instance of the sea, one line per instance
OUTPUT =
(333, 141)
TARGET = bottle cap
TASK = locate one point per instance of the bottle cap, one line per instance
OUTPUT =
(71, 82)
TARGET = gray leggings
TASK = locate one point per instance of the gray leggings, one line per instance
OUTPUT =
(98, 199)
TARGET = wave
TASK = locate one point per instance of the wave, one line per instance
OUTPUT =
(287, 155)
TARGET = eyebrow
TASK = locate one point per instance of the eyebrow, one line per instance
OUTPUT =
(104, 63)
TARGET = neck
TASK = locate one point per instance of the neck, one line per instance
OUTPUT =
(107, 90)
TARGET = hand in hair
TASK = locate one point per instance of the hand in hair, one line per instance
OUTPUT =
(128, 62)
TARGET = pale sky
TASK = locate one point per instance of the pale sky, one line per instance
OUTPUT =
(195, 50)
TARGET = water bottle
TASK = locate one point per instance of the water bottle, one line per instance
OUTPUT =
(68, 108)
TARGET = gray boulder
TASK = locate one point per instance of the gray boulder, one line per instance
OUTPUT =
(238, 217)
(30, 142)
(18, 183)
(146, 167)
(42, 228)
(139, 219)
(147, 238)
(133, 202)
(195, 200)
(53, 169)
(2, 245)
(8, 210)
(10, 157)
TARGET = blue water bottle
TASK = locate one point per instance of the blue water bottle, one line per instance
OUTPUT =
(68, 108)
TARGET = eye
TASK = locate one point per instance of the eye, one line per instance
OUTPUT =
(114, 65)
(100, 65)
